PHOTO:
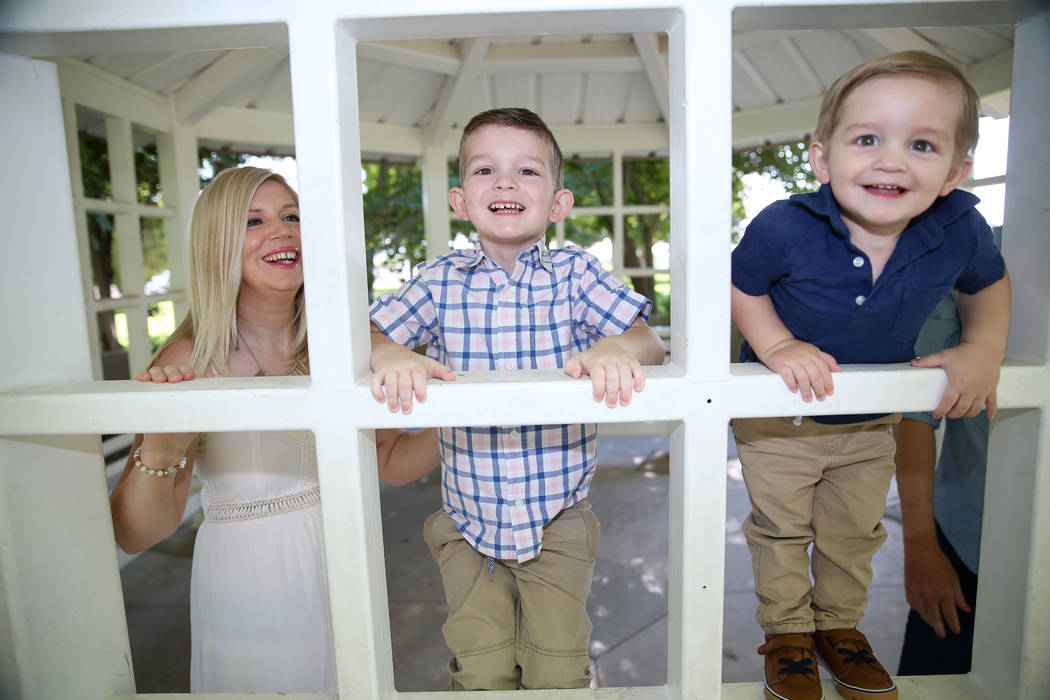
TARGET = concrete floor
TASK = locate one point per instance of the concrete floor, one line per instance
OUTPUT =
(628, 603)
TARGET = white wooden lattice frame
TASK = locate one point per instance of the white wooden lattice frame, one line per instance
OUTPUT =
(61, 623)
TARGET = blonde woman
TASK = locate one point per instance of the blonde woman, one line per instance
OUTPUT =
(259, 601)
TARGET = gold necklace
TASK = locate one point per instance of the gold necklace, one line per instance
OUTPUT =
(300, 366)
(262, 372)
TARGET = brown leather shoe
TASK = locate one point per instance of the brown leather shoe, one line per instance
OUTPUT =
(791, 667)
(848, 656)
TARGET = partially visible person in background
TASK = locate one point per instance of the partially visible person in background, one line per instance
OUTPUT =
(941, 514)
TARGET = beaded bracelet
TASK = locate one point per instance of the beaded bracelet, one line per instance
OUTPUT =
(161, 473)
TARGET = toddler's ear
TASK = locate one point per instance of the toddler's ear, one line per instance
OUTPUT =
(563, 201)
(818, 161)
(459, 203)
(958, 172)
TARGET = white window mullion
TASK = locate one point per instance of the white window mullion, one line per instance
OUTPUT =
(697, 543)
(129, 238)
(618, 214)
(177, 157)
(323, 61)
(76, 183)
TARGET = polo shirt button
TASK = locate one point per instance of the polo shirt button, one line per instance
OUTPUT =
(859, 300)
(509, 364)
(858, 261)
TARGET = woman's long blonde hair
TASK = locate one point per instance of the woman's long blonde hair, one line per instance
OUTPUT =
(216, 243)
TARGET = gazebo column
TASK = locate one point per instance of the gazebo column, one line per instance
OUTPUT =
(436, 225)
(177, 156)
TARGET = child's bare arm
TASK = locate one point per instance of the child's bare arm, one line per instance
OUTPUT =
(403, 457)
(397, 373)
(973, 365)
(614, 363)
(804, 367)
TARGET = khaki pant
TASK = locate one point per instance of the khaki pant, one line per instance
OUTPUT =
(524, 625)
(816, 484)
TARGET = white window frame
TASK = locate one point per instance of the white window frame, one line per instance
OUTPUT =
(63, 618)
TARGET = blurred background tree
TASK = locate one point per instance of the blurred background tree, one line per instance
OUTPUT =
(785, 163)
(393, 206)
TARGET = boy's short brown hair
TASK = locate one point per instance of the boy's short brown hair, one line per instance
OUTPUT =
(909, 63)
(519, 118)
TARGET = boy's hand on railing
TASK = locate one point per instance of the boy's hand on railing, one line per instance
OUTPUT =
(973, 376)
(804, 367)
(614, 373)
(398, 373)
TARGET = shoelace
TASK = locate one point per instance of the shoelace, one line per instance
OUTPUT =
(803, 666)
(861, 656)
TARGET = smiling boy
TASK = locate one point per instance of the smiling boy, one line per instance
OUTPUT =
(515, 539)
(848, 274)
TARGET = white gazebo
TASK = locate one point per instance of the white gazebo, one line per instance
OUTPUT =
(333, 82)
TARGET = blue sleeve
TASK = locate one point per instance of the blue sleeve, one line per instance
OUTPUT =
(986, 264)
(923, 417)
(755, 260)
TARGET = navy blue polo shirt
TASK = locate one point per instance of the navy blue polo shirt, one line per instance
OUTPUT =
(798, 251)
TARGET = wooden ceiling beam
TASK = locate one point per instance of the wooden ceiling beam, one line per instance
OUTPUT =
(452, 93)
(207, 90)
(655, 65)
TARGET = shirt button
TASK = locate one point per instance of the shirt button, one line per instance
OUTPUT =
(519, 502)
(858, 261)
(509, 364)
(859, 300)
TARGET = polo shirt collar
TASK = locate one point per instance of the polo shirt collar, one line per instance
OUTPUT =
(537, 252)
(924, 232)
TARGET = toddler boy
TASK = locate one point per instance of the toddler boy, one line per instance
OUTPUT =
(848, 274)
(515, 539)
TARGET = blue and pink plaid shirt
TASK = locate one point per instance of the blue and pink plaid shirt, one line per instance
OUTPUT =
(502, 484)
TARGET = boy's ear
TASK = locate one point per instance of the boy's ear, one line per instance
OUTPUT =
(818, 161)
(958, 172)
(563, 201)
(459, 203)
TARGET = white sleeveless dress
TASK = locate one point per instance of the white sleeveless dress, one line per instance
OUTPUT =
(259, 613)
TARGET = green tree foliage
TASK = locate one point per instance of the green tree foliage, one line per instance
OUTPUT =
(788, 163)
(97, 184)
(645, 181)
(213, 162)
(393, 207)
(94, 165)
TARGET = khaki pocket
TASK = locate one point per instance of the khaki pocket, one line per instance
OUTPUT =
(575, 533)
(594, 532)
(438, 531)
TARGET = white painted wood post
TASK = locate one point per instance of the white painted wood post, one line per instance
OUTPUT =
(62, 624)
(437, 226)
(1012, 643)
(76, 182)
(177, 157)
(128, 228)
